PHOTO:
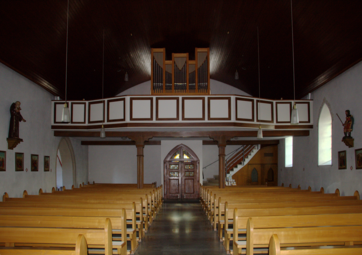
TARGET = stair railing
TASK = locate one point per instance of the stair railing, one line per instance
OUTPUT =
(239, 157)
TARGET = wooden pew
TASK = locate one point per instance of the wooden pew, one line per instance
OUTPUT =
(287, 221)
(265, 204)
(247, 213)
(59, 237)
(304, 237)
(281, 202)
(141, 207)
(304, 201)
(129, 208)
(80, 248)
(274, 249)
(32, 221)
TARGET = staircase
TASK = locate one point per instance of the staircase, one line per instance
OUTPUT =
(235, 162)
(240, 159)
(212, 181)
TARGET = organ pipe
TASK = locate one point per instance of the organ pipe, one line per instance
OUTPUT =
(180, 75)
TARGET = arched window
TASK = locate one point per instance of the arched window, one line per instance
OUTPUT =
(325, 137)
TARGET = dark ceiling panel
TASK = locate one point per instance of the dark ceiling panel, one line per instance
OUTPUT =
(327, 41)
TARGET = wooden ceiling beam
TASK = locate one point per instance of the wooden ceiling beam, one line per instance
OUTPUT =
(184, 134)
(205, 142)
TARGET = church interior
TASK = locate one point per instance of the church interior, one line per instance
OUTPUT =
(173, 127)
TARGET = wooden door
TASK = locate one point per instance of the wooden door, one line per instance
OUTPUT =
(172, 180)
(189, 182)
(181, 174)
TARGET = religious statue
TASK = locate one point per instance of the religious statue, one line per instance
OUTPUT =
(348, 124)
(15, 119)
(347, 129)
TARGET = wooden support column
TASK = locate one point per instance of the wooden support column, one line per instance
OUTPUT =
(140, 166)
(221, 141)
(140, 144)
(222, 165)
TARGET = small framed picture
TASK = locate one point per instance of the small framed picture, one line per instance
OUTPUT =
(342, 160)
(358, 158)
(34, 163)
(19, 161)
(46, 163)
(2, 160)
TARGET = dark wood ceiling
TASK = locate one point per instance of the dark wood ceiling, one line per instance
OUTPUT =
(327, 36)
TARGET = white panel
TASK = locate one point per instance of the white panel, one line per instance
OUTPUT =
(245, 110)
(58, 110)
(283, 112)
(167, 108)
(265, 111)
(116, 110)
(78, 112)
(193, 108)
(219, 108)
(302, 112)
(96, 112)
(141, 109)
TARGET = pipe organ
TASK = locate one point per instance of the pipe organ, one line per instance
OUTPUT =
(180, 75)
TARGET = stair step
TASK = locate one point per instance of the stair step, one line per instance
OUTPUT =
(211, 184)
(216, 177)
(212, 180)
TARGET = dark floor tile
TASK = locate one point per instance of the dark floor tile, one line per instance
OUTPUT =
(181, 228)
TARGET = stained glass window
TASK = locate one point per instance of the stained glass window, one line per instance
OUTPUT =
(189, 166)
(173, 174)
(176, 155)
(173, 166)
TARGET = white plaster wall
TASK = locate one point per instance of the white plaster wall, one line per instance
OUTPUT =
(216, 87)
(36, 133)
(152, 164)
(211, 154)
(118, 164)
(140, 89)
(81, 161)
(342, 93)
(67, 164)
(59, 172)
(220, 88)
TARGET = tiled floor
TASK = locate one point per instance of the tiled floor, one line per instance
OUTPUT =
(180, 228)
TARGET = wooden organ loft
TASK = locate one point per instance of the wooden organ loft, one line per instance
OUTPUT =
(180, 75)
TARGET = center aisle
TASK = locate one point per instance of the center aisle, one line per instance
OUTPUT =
(181, 228)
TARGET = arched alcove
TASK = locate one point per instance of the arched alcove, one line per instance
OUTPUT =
(66, 163)
(325, 136)
(270, 175)
(254, 175)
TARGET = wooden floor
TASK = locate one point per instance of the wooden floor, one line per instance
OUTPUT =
(181, 228)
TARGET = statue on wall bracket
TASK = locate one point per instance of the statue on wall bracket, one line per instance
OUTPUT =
(15, 119)
(347, 129)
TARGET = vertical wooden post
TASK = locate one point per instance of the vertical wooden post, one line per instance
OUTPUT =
(221, 140)
(140, 165)
(140, 144)
(222, 165)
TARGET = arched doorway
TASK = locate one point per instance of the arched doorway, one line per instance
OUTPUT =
(181, 174)
(65, 175)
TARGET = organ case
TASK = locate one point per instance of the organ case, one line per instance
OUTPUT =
(180, 75)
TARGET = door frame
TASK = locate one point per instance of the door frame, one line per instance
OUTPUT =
(168, 159)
